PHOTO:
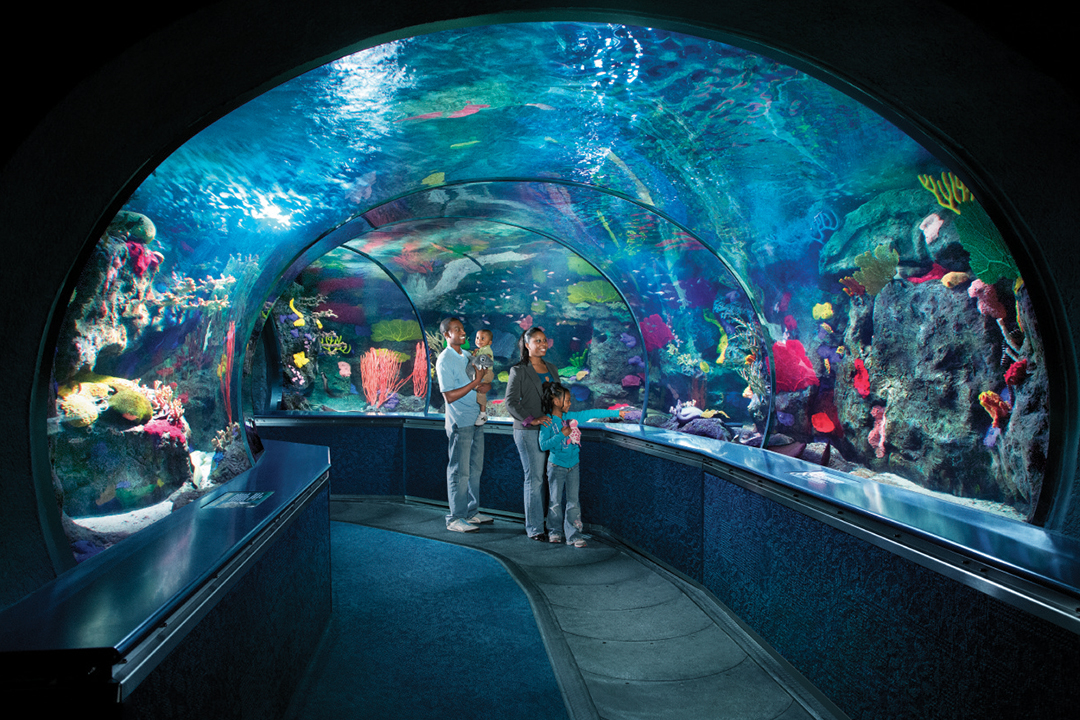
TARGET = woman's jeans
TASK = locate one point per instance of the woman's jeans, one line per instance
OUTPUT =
(562, 479)
(532, 461)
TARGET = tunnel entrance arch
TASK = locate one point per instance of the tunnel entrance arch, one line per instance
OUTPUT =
(823, 207)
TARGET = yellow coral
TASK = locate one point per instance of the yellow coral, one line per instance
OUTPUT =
(300, 359)
(79, 410)
(949, 191)
(954, 279)
(300, 318)
(823, 311)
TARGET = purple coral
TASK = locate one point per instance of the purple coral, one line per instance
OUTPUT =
(628, 340)
(636, 361)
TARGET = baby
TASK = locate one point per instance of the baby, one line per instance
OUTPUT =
(482, 362)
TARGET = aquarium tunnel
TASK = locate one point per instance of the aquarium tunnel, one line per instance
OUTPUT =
(831, 349)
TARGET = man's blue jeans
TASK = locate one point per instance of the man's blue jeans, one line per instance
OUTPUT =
(463, 471)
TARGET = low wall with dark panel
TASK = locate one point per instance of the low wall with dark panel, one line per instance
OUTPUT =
(880, 635)
(246, 658)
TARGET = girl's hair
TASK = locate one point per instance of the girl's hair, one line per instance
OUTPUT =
(523, 343)
(548, 393)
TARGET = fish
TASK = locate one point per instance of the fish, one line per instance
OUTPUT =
(425, 116)
(469, 109)
(455, 146)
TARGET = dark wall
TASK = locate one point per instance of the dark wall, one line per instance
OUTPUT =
(246, 658)
(136, 89)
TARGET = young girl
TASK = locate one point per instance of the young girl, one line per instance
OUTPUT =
(562, 439)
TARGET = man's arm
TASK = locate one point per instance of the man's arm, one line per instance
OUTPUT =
(458, 393)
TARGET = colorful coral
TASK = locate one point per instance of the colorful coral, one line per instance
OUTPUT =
(592, 291)
(822, 423)
(420, 371)
(332, 344)
(793, 369)
(1017, 373)
(953, 280)
(987, 298)
(876, 268)
(380, 371)
(861, 379)
(823, 311)
(395, 331)
(931, 226)
(936, 273)
(879, 433)
(998, 409)
(655, 332)
(949, 191)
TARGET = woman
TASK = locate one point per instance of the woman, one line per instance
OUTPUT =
(523, 401)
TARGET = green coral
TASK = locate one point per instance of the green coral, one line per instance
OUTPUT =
(581, 266)
(592, 291)
(990, 259)
(877, 268)
(133, 405)
(395, 330)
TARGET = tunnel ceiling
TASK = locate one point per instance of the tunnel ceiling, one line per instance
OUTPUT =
(767, 246)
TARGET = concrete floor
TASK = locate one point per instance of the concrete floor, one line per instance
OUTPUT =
(626, 638)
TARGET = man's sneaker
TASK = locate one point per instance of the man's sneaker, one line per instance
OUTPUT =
(481, 419)
(460, 525)
(479, 519)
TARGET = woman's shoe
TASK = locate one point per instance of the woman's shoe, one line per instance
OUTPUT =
(539, 538)
(555, 538)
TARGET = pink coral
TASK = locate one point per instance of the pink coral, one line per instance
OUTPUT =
(656, 332)
(165, 431)
(861, 381)
(344, 369)
(790, 322)
(877, 435)
(793, 369)
(931, 226)
(631, 381)
(987, 298)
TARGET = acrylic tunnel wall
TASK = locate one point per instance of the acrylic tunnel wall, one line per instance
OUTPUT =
(716, 243)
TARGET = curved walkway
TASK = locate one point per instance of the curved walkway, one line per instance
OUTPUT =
(627, 639)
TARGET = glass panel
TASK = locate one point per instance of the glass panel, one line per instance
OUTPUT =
(762, 244)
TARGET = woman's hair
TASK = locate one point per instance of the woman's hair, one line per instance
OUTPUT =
(523, 343)
(548, 393)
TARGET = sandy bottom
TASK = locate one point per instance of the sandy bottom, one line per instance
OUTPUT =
(126, 523)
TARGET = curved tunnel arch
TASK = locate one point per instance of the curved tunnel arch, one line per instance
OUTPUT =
(631, 284)
(211, 298)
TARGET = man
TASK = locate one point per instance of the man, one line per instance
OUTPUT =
(466, 438)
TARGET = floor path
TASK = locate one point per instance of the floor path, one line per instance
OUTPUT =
(627, 639)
